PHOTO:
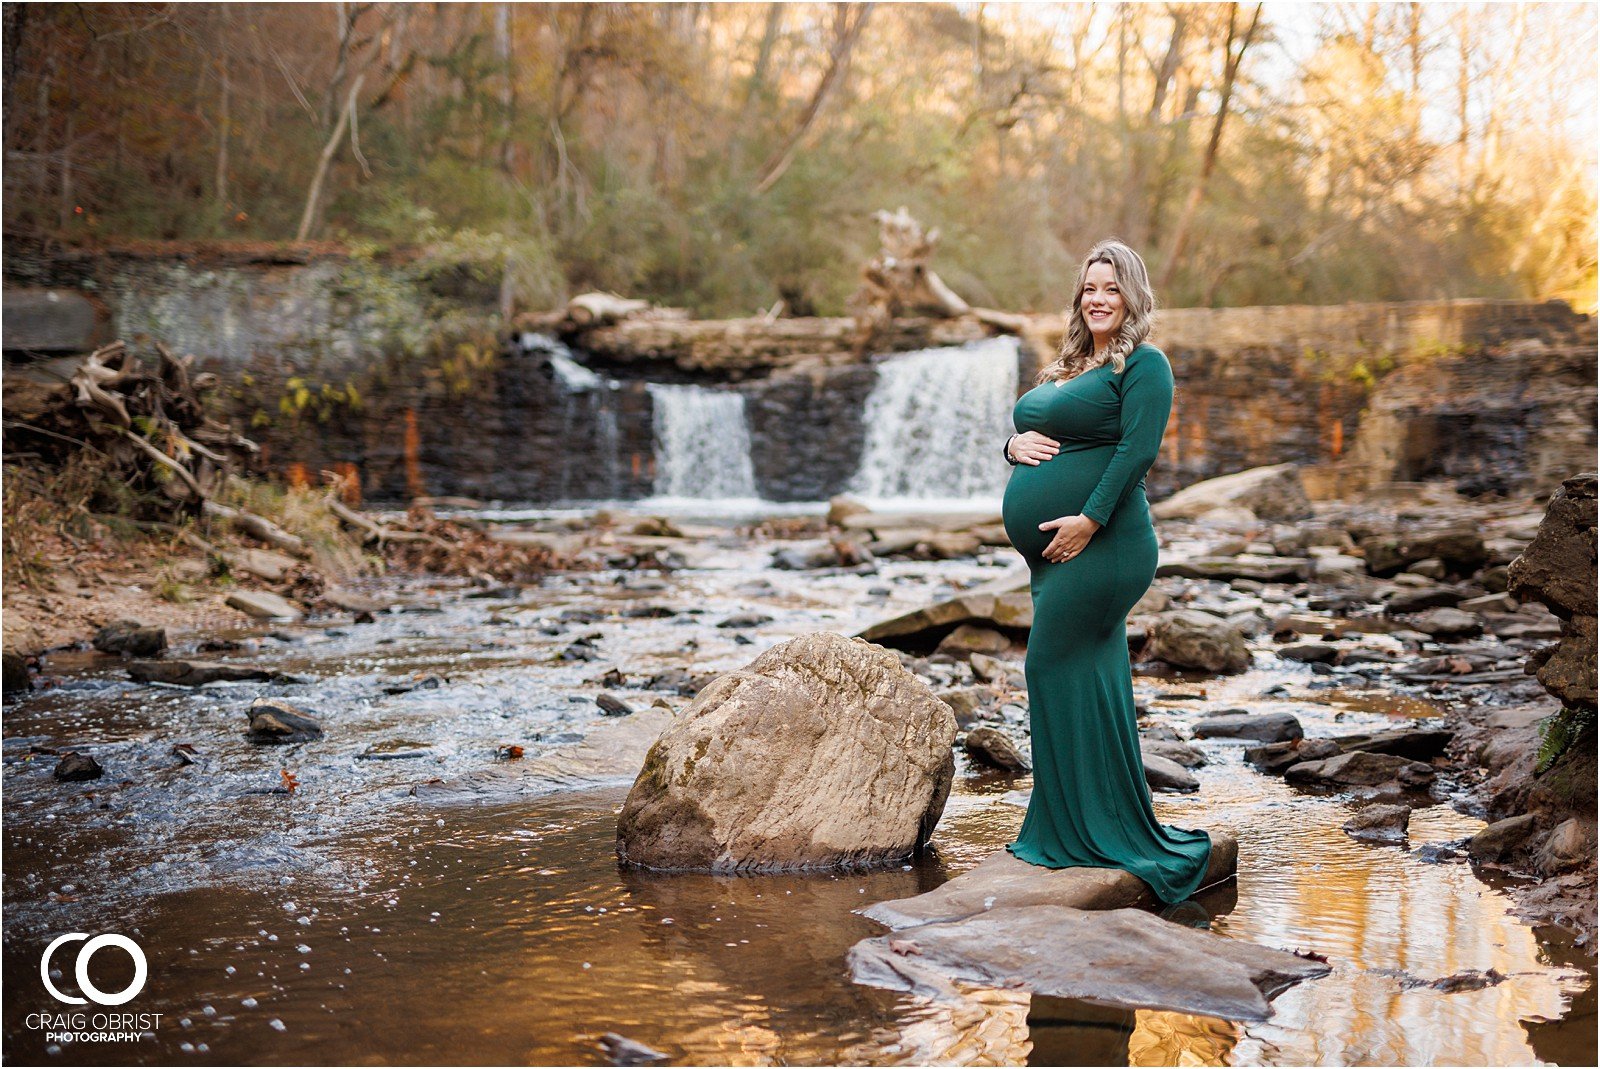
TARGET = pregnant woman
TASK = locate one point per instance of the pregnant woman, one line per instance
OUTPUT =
(1075, 508)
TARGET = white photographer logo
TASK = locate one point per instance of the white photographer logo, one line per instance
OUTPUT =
(141, 969)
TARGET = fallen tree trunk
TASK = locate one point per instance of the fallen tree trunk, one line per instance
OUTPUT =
(759, 344)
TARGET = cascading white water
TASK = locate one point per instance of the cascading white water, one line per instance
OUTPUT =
(702, 443)
(935, 422)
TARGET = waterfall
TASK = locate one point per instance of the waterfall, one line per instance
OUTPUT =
(588, 414)
(934, 424)
(702, 443)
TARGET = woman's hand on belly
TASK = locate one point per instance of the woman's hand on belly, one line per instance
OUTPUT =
(1031, 447)
(1072, 534)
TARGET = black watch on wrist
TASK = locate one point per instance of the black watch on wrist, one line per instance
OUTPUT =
(1007, 451)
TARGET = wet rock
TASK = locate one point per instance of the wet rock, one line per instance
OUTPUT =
(823, 751)
(430, 681)
(1263, 727)
(1360, 769)
(1447, 624)
(1420, 598)
(1163, 774)
(1262, 569)
(969, 639)
(649, 612)
(1468, 980)
(746, 619)
(1416, 744)
(16, 680)
(1005, 603)
(1159, 732)
(1173, 750)
(350, 601)
(678, 681)
(1125, 956)
(273, 720)
(1488, 603)
(132, 638)
(580, 649)
(995, 748)
(1269, 493)
(1363, 655)
(949, 545)
(581, 616)
(398, 750)
(75, 767)
(620, 1050)
(1495, 579)
(1334, 567)
(1558, 569)
(1502, 838)
(993, 670)
(1277, 757)
(198, 673)
(824, 554)
(842, 507)
(1186, 638)
(1461, 550)
(264, 605)
(1152, 601)
(1569, 843)
(1318, 652)
(1379, 823)
(611, 705)
(1431, 568)
(1002, 879)
(968, 703)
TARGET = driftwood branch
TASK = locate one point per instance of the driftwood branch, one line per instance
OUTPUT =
(259, 528)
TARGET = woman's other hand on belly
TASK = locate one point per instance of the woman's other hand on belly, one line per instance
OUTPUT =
(1031, 447)
(1072, 533)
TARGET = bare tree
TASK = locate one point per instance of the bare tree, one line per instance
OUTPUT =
(383, 53)
(848, 22)
(1230, 73)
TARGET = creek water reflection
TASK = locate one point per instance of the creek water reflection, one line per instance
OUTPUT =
(354, 921)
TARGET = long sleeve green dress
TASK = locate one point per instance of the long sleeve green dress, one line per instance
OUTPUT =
(1090, 803)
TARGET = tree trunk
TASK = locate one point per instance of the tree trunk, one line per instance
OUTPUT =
(508, 87)
(1138, 178)
(846, 33)
(1229, 75)
(224, 112)
(325, 161)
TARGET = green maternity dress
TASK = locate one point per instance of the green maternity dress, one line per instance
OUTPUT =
(1090, 803)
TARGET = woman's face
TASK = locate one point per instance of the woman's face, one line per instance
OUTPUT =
(1102, 305)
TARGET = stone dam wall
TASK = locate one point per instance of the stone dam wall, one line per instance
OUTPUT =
(409, 378)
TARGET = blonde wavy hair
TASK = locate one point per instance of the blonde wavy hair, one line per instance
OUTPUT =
(1077, 348)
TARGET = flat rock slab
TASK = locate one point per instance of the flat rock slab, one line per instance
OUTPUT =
(1003, 880)
(1123, 956)
(199, 673)
(264, 605)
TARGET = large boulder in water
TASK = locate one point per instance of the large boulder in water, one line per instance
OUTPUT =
(823, 752)
(1187, 638)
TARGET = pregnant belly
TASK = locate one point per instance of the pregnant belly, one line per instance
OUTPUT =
(1058, 487)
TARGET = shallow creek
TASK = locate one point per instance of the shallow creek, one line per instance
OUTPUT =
(416, 898)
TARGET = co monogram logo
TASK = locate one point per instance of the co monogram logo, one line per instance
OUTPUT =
(141, 969)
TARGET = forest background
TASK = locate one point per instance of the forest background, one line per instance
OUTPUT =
(724, 157)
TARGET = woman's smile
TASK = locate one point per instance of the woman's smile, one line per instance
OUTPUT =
(1103, 307)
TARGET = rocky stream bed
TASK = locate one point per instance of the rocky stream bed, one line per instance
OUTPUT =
(427, 870)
